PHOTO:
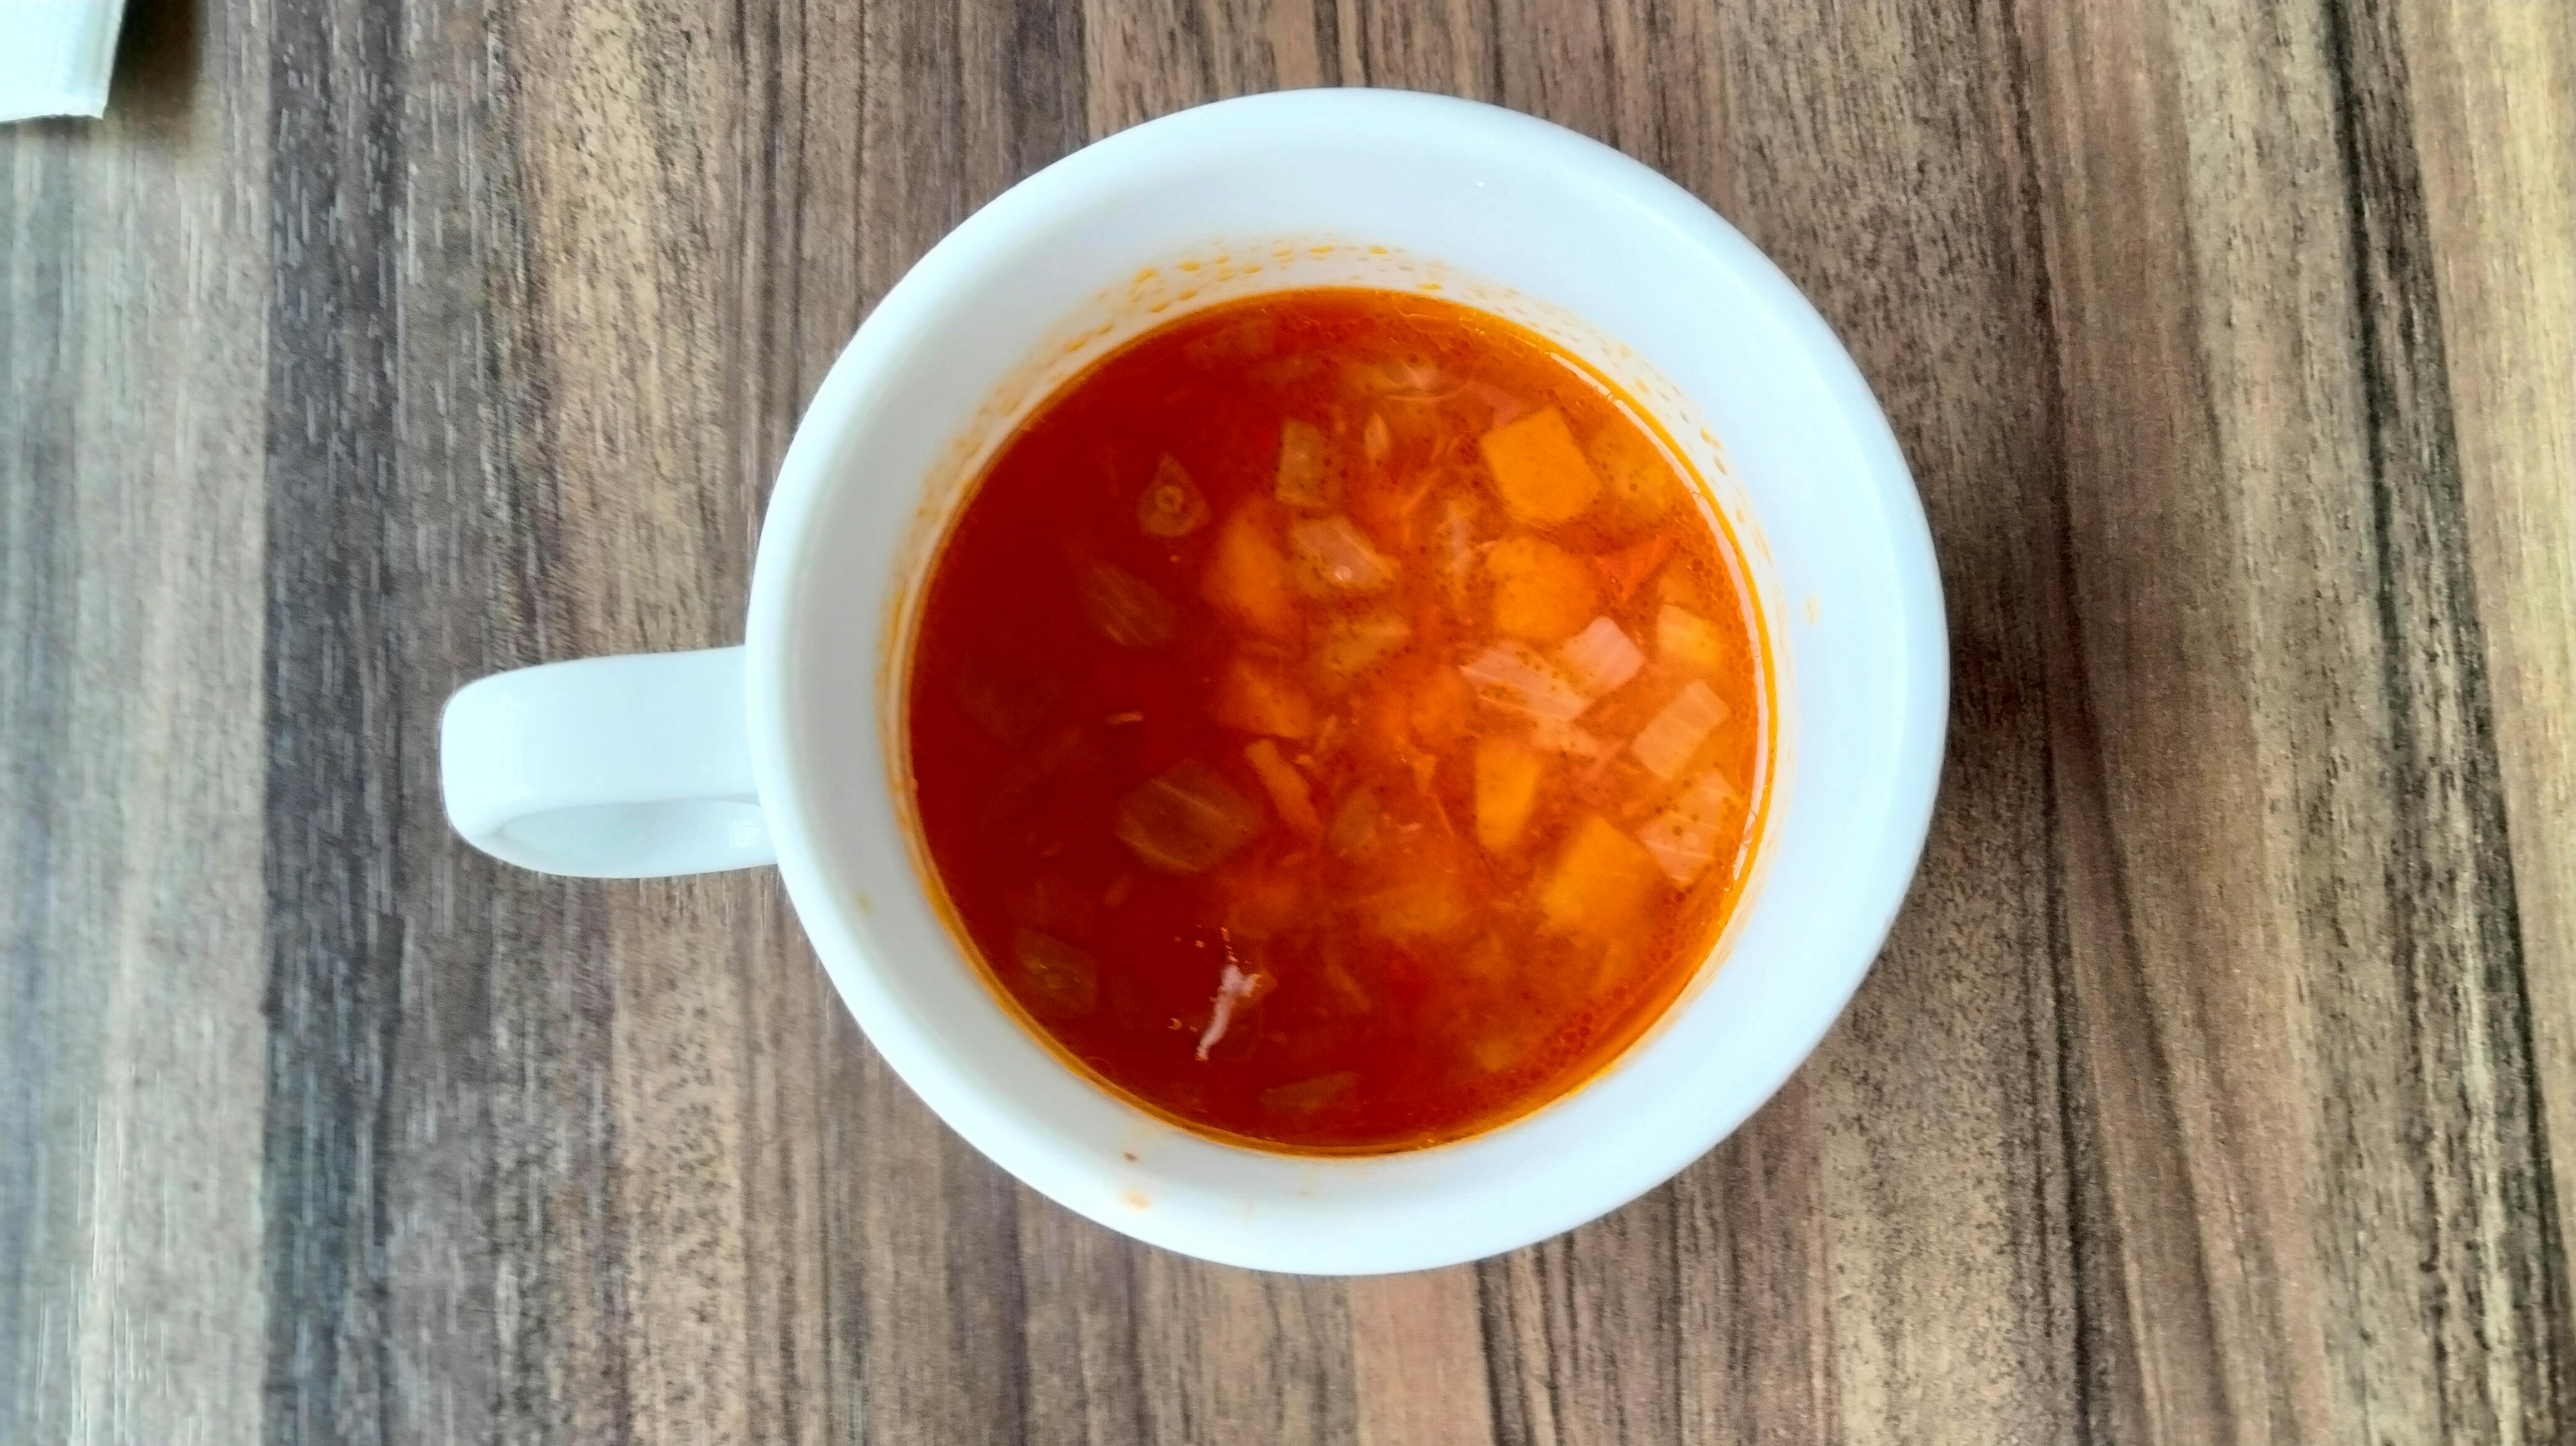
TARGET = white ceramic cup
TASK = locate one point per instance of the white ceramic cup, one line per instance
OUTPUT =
(787, 748)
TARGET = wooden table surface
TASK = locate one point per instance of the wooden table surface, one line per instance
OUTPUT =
(2217, 1085)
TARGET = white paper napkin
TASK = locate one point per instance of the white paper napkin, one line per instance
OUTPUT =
(55, 56)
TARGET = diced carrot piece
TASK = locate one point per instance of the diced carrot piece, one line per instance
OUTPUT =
(1262, 899)
(1689, 643)
(1625, 569)
(1507, 774)
(1255, 695)
(1640, 483)
(1287, 787)
(1385, 727)
(1541, 591)
(1542, 477)
(1423, 898)
(1440, 709)
(1601, 882)
(1247, 577)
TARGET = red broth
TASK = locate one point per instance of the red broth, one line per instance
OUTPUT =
(1337, 723)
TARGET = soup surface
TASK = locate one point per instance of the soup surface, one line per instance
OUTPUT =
(1336, 722)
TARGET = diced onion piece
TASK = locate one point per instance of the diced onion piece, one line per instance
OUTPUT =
(1507, 777)
(1601, 658)
(1539, 472)
(1507, 405)
(1377, 439)
(1668, 740)
(1287, 787)
(1065, 977)
(1683, 838)
(1601, 882)
(1308, 1095)
(1332, 557)
(1541, 591)
(1126, 609)
(1688, 642)
(1172, 505)
(1304, 466)
(1352, 646)
(1247, 577)
(1256, 695)
(1453, 540)
(1550, 736)
(1403, 381)
(1512, 675)
(1186, 820)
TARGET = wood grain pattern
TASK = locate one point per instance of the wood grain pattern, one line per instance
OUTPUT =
(2218, 1083)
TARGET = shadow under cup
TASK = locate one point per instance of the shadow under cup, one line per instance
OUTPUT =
(1493, 210)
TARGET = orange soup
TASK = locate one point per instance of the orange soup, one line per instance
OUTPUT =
(1337, 722)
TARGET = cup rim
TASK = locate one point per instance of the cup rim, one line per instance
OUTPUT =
(915, 304)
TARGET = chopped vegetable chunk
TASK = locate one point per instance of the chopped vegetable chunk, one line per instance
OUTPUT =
(1247, 579)
(1507, 774)
(1172, 505)
(1689, 642)
(1126, 608)
(1600, 659)
(1256, 696)
(1352, 646)
(1640, 483)
(1187, 820)
(1332, 557)
(1371, 779)
(1542, 477)
(1684, 837)
(1286, 786)
(1066, 978)
(1667, 744)
(1602, 882)
(1511, 675)
(1541, 591)
(1439, 715)
(1424, 898)
(1454, 542)
(1304, 467)
(1628, 568)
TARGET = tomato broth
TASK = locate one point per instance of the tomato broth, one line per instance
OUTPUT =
(1337, 722)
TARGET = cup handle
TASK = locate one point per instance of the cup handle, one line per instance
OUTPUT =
(628, 767)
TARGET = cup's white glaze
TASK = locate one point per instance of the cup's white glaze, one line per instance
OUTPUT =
(1308, 188)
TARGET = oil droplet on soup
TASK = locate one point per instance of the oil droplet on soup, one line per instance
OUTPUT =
(1335, 722)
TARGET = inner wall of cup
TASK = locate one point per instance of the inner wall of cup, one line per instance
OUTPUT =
(1730, 374)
